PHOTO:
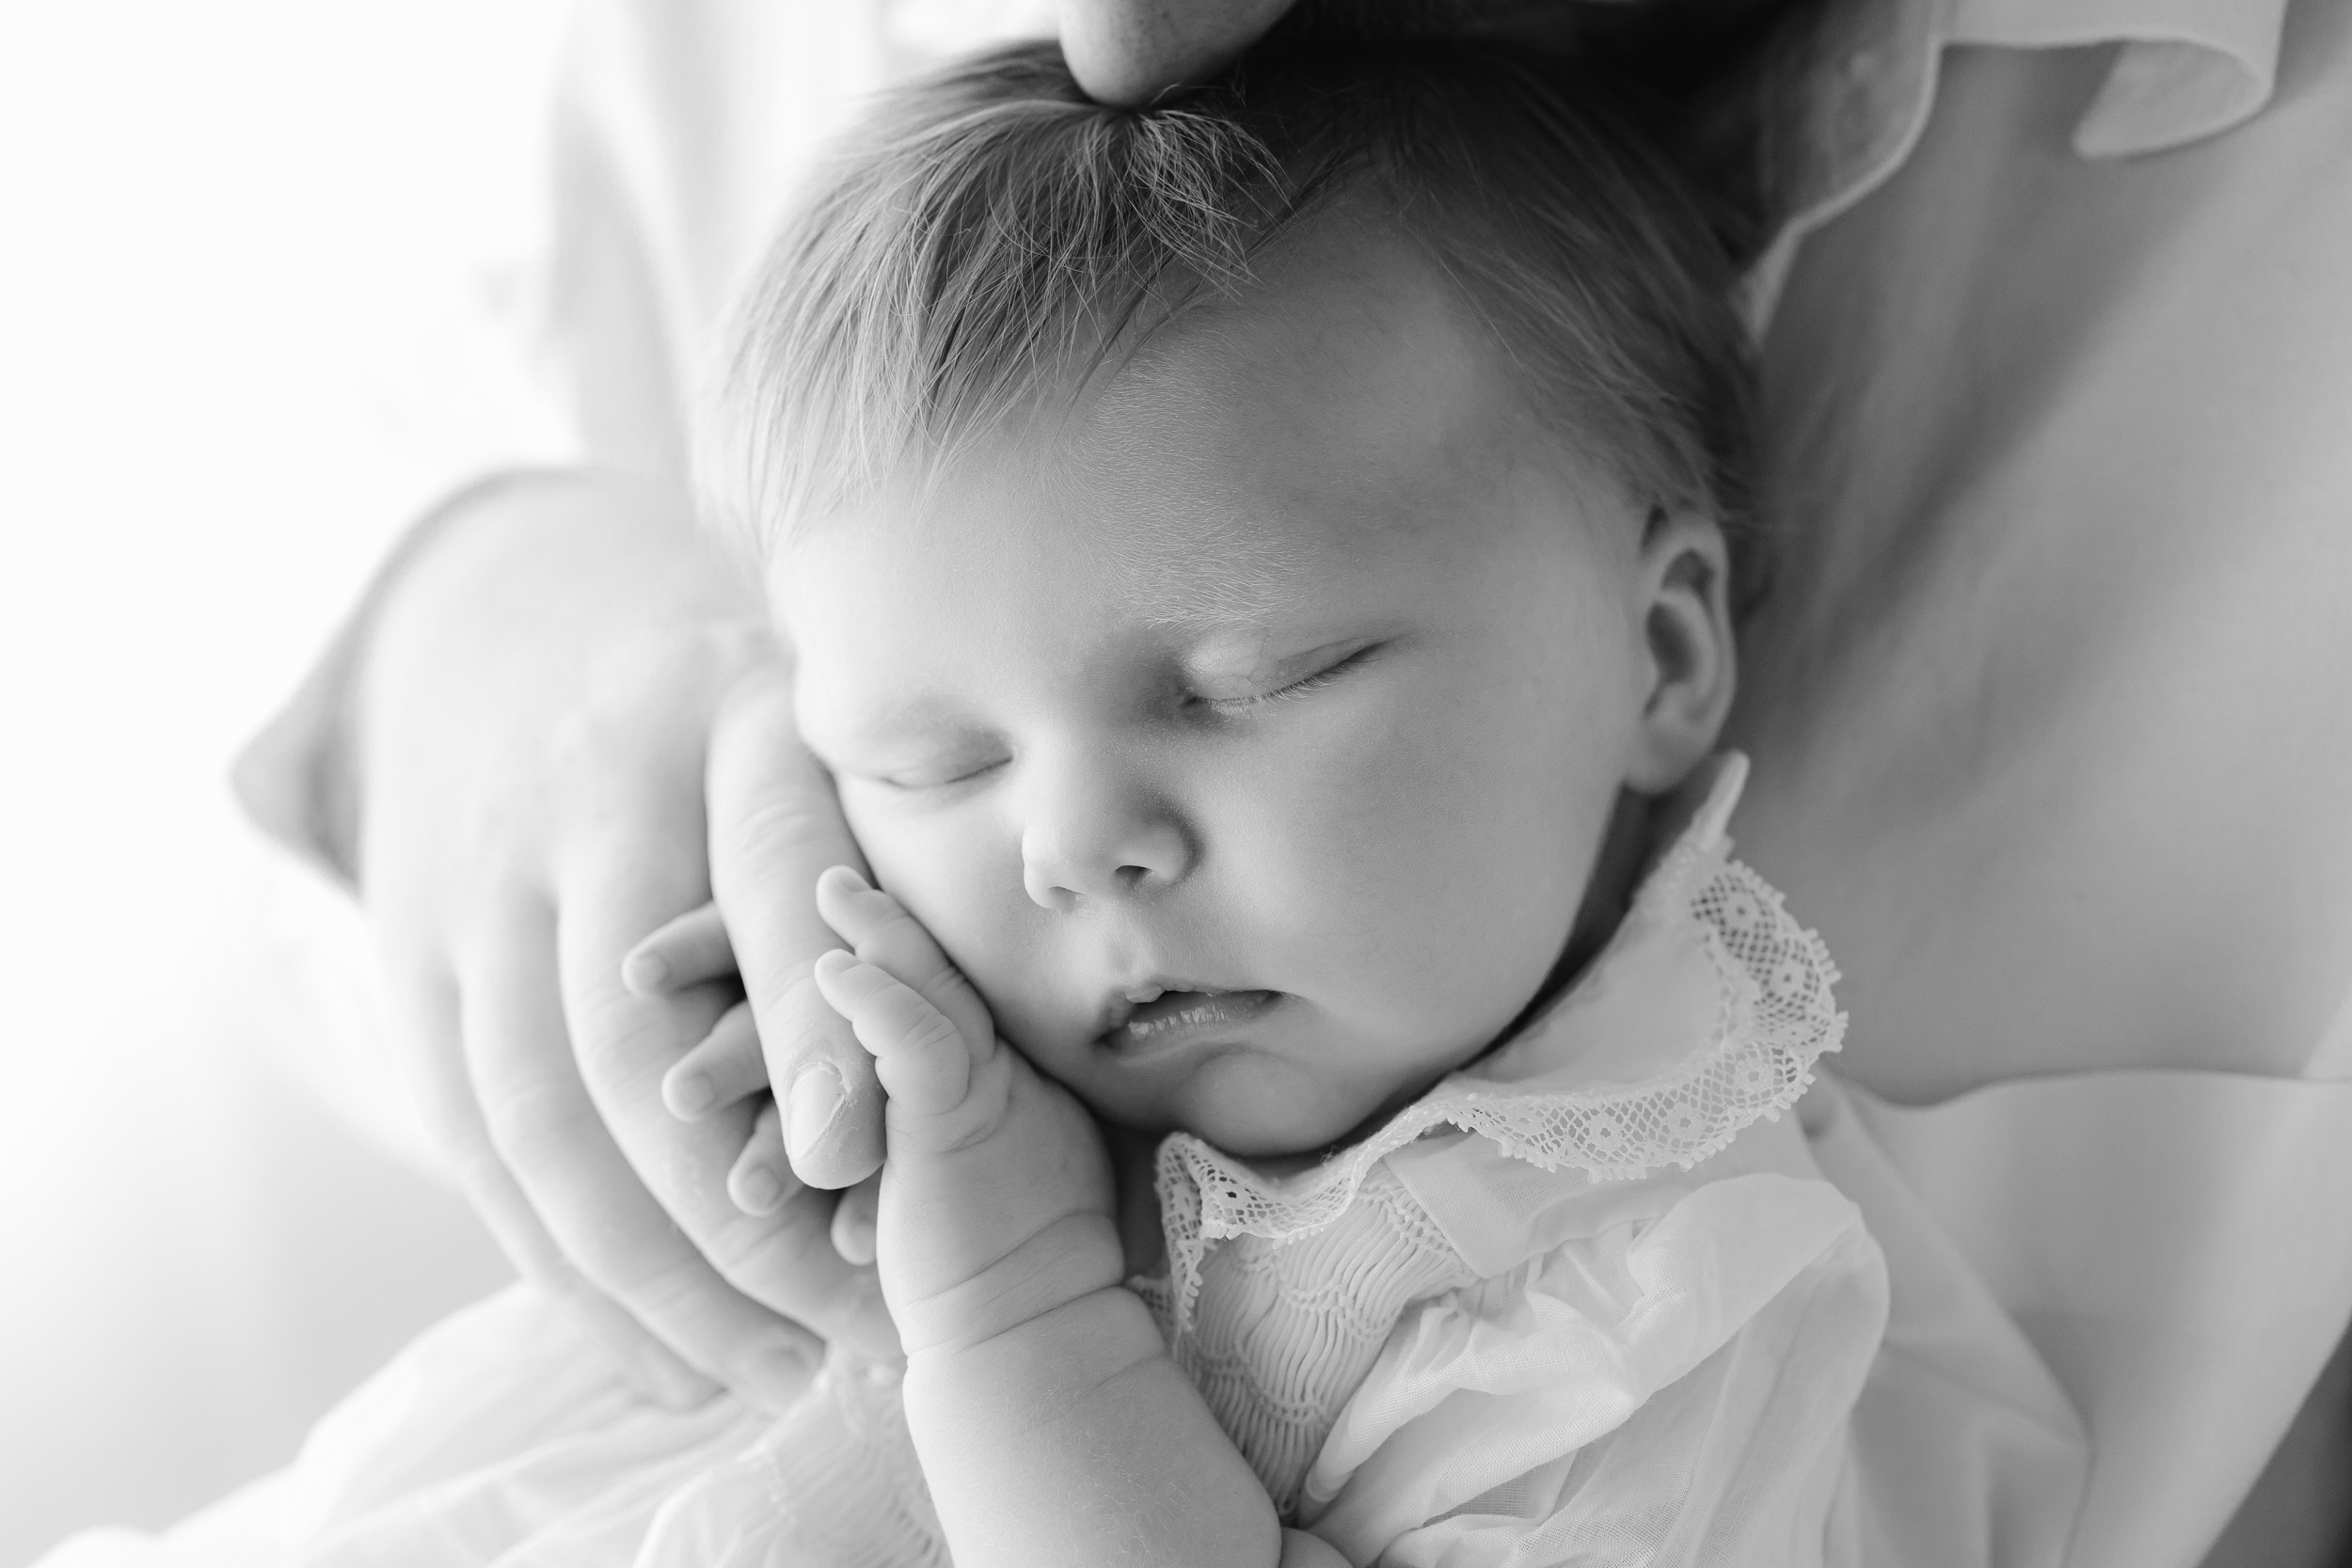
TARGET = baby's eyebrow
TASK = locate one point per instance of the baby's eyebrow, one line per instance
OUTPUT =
(1220, 576)
(907, 719)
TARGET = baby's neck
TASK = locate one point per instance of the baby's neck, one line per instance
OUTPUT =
(1133, 1158)
(1626, 849)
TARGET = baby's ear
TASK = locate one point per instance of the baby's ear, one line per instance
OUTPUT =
(1685, 579)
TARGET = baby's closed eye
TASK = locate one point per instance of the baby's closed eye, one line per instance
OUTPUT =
(938, 773)
(1234, 690)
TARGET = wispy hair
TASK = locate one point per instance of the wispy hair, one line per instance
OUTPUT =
(988, 233)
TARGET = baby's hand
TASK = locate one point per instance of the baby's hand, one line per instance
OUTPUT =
(997, 1203)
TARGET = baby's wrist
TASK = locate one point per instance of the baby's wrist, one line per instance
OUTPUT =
(1037, 1373)
(1065, 1261)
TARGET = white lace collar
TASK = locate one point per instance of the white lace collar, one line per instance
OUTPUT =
(1706, 1010)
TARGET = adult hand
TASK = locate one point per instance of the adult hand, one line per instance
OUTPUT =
(1129, 51)
(532, 713)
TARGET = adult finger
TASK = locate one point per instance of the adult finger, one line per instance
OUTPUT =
(762, 1177)
(538, 1108)
(422, 1000)
(725, 1067)
(685, 952)
(609, 889)
(1129, 51)
(774, 825)
(854, 1227)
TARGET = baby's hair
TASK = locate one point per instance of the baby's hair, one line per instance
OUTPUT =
(990, 232)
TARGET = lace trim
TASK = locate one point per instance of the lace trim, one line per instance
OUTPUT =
(1776, 1016)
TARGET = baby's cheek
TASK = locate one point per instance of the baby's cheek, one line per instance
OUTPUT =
(1437, 865)
(953, 880)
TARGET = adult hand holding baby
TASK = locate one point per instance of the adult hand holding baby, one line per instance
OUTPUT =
(539, 693)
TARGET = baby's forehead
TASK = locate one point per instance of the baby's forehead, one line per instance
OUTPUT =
(1343, 410)
(1346, 387)
(1338, 309)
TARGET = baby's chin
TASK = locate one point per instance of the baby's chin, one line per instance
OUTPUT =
(1260, 1107)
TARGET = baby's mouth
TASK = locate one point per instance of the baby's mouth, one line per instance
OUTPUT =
(1170, 1017)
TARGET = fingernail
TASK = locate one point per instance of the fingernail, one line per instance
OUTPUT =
(776, 1375)
(855, 1242)
(758, 1191)
(857, 883)
(816, 1098)
(645, 973)
(691, 1095)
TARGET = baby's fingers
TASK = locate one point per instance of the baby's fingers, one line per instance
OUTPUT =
(919, 1055)
(882, 933)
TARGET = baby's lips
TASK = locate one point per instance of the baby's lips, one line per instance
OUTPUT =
(1120, 1004)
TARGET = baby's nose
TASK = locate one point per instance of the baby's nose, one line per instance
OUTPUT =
(1059, 881)
(1097, 840)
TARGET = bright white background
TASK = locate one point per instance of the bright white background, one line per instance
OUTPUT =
(216, 220)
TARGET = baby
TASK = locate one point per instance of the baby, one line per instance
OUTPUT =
(1260, 571)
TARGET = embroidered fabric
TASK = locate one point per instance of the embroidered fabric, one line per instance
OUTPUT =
(1284, 1334)
(1776, 1014)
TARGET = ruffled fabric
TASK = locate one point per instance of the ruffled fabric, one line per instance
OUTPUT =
(1674, 1391)
(1844, 90)
(503, 1438)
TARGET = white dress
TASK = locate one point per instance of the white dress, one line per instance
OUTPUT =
(1591, 1300)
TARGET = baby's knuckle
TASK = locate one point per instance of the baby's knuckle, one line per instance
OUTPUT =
(933, 1034)
(945, 976)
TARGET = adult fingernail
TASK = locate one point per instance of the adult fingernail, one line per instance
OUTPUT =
(815, 1099)
(691, 1094)
(841, 882)
(645, 973)
(758, 1191)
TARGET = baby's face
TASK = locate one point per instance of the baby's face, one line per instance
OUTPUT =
(1248, 731)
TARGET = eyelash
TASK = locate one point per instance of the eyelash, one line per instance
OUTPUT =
(1292, 693)
(1295, 689)
(906, 787)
